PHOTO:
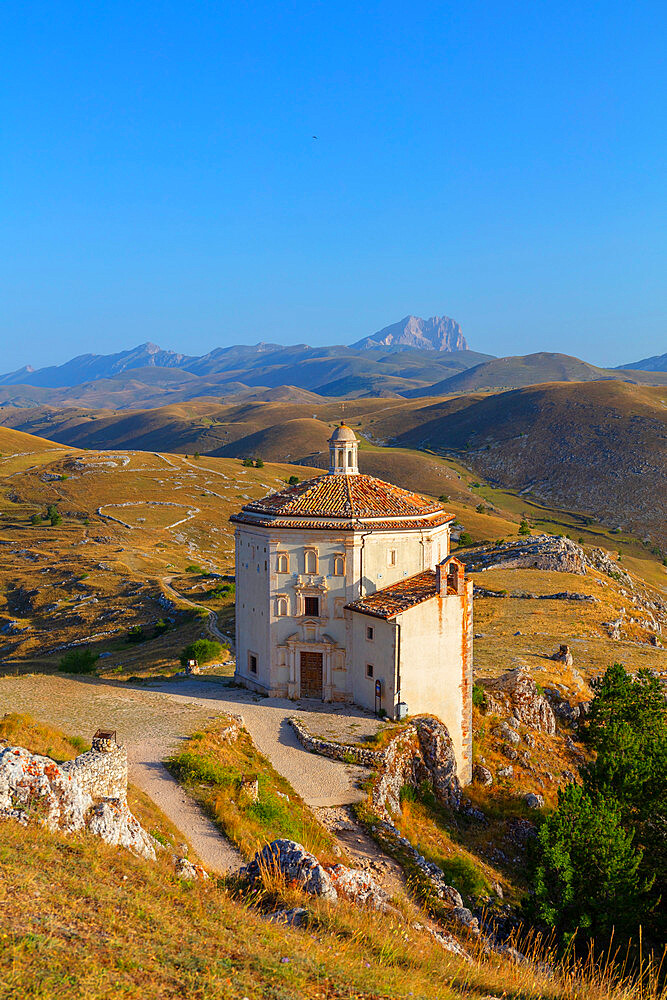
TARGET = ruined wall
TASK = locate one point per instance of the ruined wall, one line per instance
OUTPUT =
(102, 773)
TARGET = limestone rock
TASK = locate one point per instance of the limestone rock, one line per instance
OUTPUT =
(564, 655)
(112, 820)
(506, 772)
(482, 775)
(63, 797)
(546, 552)
(31, 784)
(533, 801)
(504, 732)
(190, 872)
(422, 752)
(330, 882)
(516, 692)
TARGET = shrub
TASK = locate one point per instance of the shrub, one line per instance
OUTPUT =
(135, 634)
(201, 650)
(36, 519)
(259, 464)
(524, 527)
(194, 568)
(81, 660)
(196, 454)
(247, 462)
(465, 538)
(478, 696)
(293, 481)
(443, 498)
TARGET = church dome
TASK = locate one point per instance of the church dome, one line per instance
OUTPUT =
(342, 433)
(350, 502)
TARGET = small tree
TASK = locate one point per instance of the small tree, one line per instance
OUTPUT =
(444, 498)
(201, 650)
(259, 464)
(81, 660)
(196, 454)
(465, 538)
(247, 462)
(36, 519)
(56, 519)
(293, 481)
(587, 876)
(524, 527)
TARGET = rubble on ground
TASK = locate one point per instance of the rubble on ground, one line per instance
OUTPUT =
(515, 693)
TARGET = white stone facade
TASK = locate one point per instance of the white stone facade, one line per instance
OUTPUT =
(298, 573)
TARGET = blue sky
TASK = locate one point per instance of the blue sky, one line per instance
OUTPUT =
(502, 163)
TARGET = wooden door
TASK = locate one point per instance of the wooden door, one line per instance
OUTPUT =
(311, 675)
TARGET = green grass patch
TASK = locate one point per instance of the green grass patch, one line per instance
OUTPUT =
(213, 768)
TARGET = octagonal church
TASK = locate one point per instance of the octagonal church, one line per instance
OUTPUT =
(346, 592)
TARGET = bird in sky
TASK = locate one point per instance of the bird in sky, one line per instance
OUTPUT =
(314, 137)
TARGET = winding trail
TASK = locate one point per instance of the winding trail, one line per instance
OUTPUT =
(152, 719)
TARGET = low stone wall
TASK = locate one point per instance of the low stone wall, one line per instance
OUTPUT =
(346, 752)
(100, 773)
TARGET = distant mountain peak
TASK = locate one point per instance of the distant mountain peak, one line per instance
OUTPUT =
(438, 333)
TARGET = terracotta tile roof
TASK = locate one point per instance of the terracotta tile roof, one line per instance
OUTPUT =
(398, 597)
(406, 524)
(341, 496)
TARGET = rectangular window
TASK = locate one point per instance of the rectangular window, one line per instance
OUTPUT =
(252, 663)
(391, 557)
(370, 632)
(369, 670)
(312, 606)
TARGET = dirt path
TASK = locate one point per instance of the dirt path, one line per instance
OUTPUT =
(152, 719)
(212, 619)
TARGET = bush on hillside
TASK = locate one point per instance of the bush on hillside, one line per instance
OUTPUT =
(36, 519)
(259, 464)
(524, 527)
(201, 650)
(194, 568)
(465, 538)
(293, 481)
(478, 696)
(81, 660)
(247, 463)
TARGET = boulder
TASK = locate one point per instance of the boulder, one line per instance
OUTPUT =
(189, 872)
(564, 655)
(295, 917)
(533, 801)
(482, 775)
(515, 692)
(331, 882)
(112, 820)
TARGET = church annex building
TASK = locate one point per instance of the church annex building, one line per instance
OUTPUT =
(346, 592)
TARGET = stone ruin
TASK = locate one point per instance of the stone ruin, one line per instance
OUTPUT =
(87, 793)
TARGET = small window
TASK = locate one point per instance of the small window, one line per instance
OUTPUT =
(339, 566)
(349, 457)
(369, 670)
(370, 632)
(311, 561)
(282, 563)
(252, 663)
(281, 607)
(312, 606)
(391, 557)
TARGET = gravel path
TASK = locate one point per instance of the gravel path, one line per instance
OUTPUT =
(152, 719)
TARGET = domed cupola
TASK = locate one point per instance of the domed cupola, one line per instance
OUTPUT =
(343, 451)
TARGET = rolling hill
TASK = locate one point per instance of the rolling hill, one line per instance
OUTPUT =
(598, 447)
(524, 370)
(658, 363)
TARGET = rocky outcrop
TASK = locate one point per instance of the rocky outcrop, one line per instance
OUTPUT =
(564, 655)
(422, 752)
(515, 693)
(547, 552)
(189, 872)
(330, 882)
(602, 561)
(36, 789)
